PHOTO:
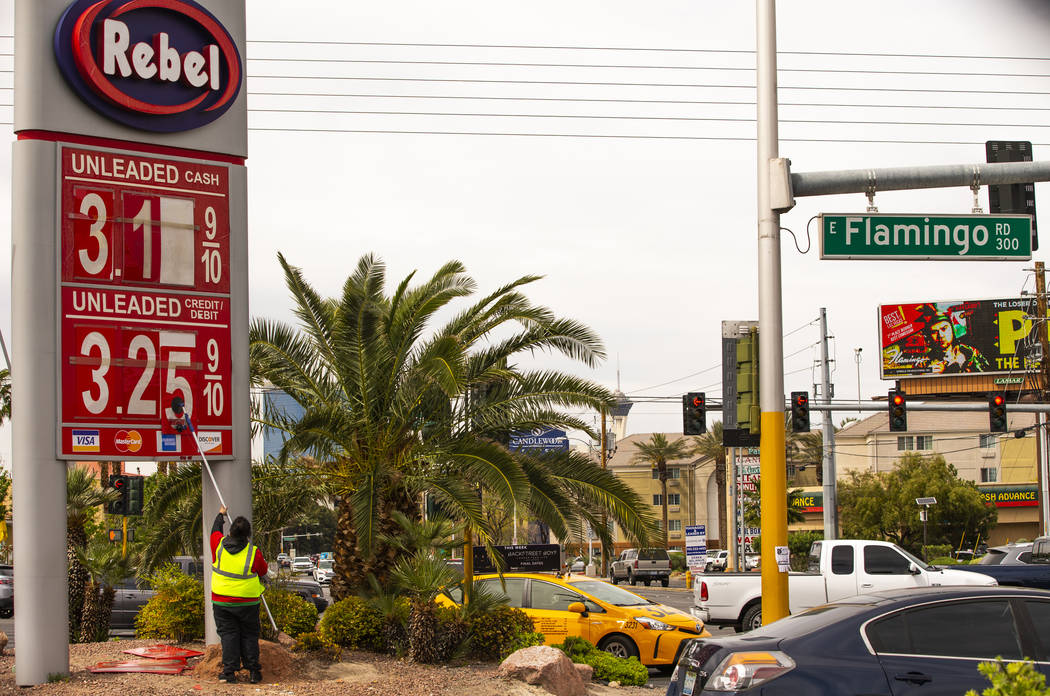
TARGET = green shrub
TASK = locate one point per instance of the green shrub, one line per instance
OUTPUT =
(493, 632)
(526, 640)
(1012, 679)
(176, 610)
(677, 560)
(312, 641)
(937, 550)
(292, 614)
(353, 623)
(608, 667)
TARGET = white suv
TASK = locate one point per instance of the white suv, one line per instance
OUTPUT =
(324, 572)
(717, 561)
(302, 564)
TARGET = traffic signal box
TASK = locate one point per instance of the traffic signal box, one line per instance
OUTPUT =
(694, 413)
(130, 489)
(898, 412)
(800, 412)
(135, 484)
(118, 482)
(997, 413)
(748, 407)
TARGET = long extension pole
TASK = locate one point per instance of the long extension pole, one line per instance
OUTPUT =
(177, 409)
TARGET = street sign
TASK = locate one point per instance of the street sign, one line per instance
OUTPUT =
(696, 545)
(926, 501)
(926, 237)
(144, 305)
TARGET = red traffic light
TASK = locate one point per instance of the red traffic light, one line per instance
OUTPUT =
(698, 401)
(802, 399)
(898, 399)
(998, 400)
(119, 483)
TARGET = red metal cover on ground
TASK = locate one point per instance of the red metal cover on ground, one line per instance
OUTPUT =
(172, 666)
(162, 652)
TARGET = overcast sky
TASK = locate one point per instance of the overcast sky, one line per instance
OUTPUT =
(649, 239)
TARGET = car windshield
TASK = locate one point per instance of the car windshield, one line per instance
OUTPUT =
(325, 564)
(917, 561)
(610, 594)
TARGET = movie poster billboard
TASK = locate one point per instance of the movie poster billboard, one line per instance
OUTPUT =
(932, 339)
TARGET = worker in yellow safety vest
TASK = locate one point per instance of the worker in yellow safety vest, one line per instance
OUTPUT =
(237, 566)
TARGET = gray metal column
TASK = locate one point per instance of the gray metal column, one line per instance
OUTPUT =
(831, 517)
(234, 477)
(41, 603)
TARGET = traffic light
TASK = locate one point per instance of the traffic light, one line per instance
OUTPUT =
(118, 482)
(116, 535)
(997, 413)
(748, 407)
(800, 412)
(694, 413)
(134, 488)
(898, 412)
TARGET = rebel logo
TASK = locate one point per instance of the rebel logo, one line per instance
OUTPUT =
(128, 440)
(156, 65)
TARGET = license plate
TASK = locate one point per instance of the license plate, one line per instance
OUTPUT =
(688, 683)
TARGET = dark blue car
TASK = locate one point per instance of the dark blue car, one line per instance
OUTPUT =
(920, 641)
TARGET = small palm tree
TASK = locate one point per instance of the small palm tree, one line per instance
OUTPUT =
(656, 452)
(83, 498)
(106, 566)
(709, 445)
(421, 577)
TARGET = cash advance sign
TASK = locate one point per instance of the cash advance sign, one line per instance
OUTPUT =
(155, 65)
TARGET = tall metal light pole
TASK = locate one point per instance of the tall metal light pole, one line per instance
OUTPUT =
(771, 323)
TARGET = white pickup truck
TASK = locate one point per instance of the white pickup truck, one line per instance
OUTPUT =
(837, 569)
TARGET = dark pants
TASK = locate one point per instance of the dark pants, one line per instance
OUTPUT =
(238, 629)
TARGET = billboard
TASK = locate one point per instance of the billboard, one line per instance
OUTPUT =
(540, 440)
(931, 339)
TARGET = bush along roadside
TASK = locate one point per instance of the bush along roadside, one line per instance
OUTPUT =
(607, 667)
(292, 614)
(176, 610)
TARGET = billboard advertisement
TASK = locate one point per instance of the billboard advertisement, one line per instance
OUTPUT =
(932, 339)
(540, 440)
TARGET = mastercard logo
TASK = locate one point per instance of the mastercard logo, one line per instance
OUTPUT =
(128, 440)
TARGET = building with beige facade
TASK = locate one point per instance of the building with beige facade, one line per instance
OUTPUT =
(691, 491)
(1002, 465)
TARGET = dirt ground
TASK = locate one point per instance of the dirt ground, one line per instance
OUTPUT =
(284, 674)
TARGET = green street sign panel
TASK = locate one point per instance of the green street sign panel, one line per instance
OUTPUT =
(926, 237)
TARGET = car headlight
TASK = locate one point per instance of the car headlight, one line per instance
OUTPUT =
(746, 670)
(654, 624)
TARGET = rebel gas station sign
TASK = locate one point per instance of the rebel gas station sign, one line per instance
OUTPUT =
(129, 277)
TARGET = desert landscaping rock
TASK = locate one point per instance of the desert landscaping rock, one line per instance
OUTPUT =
(546, 666)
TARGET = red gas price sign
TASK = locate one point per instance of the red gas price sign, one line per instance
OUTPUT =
(144, 305)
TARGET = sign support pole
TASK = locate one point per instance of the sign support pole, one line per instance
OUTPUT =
(831, 508)
(770, 318)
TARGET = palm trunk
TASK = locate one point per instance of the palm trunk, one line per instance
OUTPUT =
(663, 496)
(77, 578)
(98, 605)
(351, 567)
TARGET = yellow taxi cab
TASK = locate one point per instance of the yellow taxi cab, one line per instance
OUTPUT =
(614, 619)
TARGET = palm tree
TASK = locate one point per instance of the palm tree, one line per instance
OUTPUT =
(709, 445)
(393, 408)
(106, 566)
(83, 498)
(656, 452)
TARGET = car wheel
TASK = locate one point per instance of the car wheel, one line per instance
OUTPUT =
(752, 617)
(620, 646)
(707, 568)
(665, 581)
(647, 581)
(7, 612)
(612, 578)
(631, 579)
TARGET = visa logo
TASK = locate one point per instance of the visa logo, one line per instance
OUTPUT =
(85, 441)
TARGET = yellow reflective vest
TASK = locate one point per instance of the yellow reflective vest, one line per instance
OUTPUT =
(231, 573)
